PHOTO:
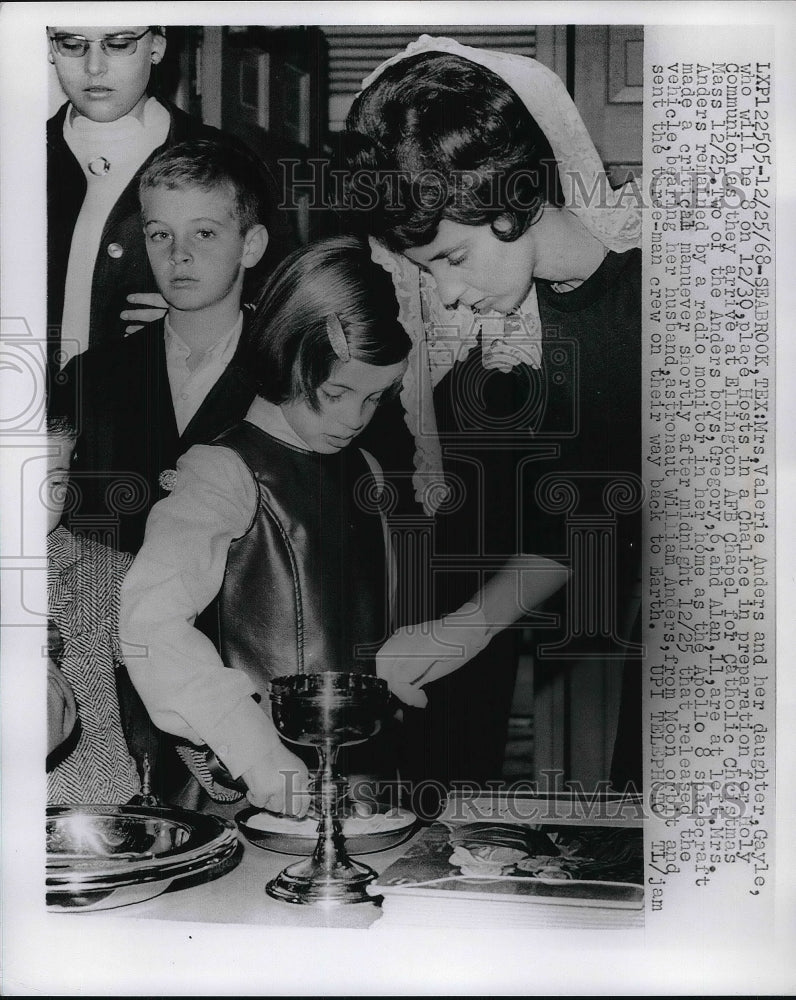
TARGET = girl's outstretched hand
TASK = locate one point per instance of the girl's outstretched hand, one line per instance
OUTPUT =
(151, 305)
(279, 782)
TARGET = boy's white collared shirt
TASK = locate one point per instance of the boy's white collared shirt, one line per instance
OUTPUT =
(189, 389)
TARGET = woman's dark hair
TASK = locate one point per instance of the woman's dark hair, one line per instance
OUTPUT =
(288, 344)
(439, 137)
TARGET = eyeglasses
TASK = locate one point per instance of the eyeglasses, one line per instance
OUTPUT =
(75, 46)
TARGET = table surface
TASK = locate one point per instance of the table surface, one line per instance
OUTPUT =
(239, 897)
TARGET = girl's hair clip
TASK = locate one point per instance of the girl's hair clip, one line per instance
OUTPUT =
(336, 335)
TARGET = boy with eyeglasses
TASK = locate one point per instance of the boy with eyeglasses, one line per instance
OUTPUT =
(98, 144)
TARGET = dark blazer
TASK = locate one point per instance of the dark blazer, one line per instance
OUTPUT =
(114, 277)
(128, 443)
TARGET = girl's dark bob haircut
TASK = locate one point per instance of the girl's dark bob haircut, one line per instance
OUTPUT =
(436, 137)
(290, 349)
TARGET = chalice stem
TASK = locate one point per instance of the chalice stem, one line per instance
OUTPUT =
(329, 850)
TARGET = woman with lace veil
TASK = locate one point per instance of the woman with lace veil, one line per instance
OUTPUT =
(517, 271)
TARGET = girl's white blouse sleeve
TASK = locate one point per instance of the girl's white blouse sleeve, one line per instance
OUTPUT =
(179, 570)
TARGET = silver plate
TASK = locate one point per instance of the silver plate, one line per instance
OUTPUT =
(304, 844)
(100, 857)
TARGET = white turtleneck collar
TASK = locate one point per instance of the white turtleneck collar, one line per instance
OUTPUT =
(121, 143)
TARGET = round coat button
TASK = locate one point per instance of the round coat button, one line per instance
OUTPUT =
(115, 250)
(99, 166)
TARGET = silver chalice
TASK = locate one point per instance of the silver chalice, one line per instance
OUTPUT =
(327, 711)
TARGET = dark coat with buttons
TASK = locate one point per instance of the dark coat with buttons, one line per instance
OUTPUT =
(119, 397)
(125, 268)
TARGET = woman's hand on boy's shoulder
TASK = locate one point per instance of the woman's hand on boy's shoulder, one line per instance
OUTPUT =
(151, 306)
(279, 782)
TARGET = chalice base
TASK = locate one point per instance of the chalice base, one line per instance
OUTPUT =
(316, 883)
(327, 710)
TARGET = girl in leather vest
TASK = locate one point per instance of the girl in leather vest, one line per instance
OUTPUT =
(278, 522)
(282, 523)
